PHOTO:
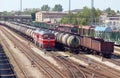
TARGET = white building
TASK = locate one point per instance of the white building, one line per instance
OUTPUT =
(110, 20)
(49, 16)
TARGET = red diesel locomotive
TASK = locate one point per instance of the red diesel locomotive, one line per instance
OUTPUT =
(44, 39)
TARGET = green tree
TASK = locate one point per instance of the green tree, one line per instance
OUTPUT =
(27, 11)
(64, 20)
(83, 21)
(86, 12)
(84, 17)
(110, 12)
(74, 21)
(79, 17)
(45, 8)
(58, 8)
(98, 13)
(7, 13)
(33, 16)
(118, 11)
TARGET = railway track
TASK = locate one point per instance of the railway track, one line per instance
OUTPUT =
(69, 70)
(6, 69)
(115, 56)
(16, 62)
(117, 48)
(103, 69)
(76, 69)
(97, 69)
(86, 72)
(49, 69)
(98, 74)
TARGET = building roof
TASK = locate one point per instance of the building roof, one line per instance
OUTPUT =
(68, 25)
(86, 27)
(104, 29)
(52, 12)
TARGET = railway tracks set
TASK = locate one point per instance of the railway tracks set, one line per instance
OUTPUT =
(16, 62)
(100, 68)
(41, 63)
(6, 69)
(95, 70)
(73, 70)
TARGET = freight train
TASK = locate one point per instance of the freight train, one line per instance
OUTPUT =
(67, 41)
(89, 44)
(43, 39)
(92, 31)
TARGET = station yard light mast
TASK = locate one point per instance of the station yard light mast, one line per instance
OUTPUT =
(92, 12)
(20, 7)
(69, 12)
(20, 14)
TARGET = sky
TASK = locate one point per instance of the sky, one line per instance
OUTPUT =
(9, 5)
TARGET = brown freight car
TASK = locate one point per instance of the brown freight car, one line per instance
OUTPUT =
(97, 45)
(103, 47)
(86, 42)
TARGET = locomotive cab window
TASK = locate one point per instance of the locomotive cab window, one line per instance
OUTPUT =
(51, 36)
(45, 36)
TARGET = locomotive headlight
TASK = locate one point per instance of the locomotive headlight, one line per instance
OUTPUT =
(49, 39)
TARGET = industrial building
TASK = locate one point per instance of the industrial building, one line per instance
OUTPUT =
(110, 20)
(50, 16)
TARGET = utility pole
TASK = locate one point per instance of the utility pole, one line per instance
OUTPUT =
(92, 12)
(20, 7)
(69, 11)
(20, 10)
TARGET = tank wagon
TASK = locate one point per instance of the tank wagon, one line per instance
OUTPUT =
(42, 38)
(66, 41)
